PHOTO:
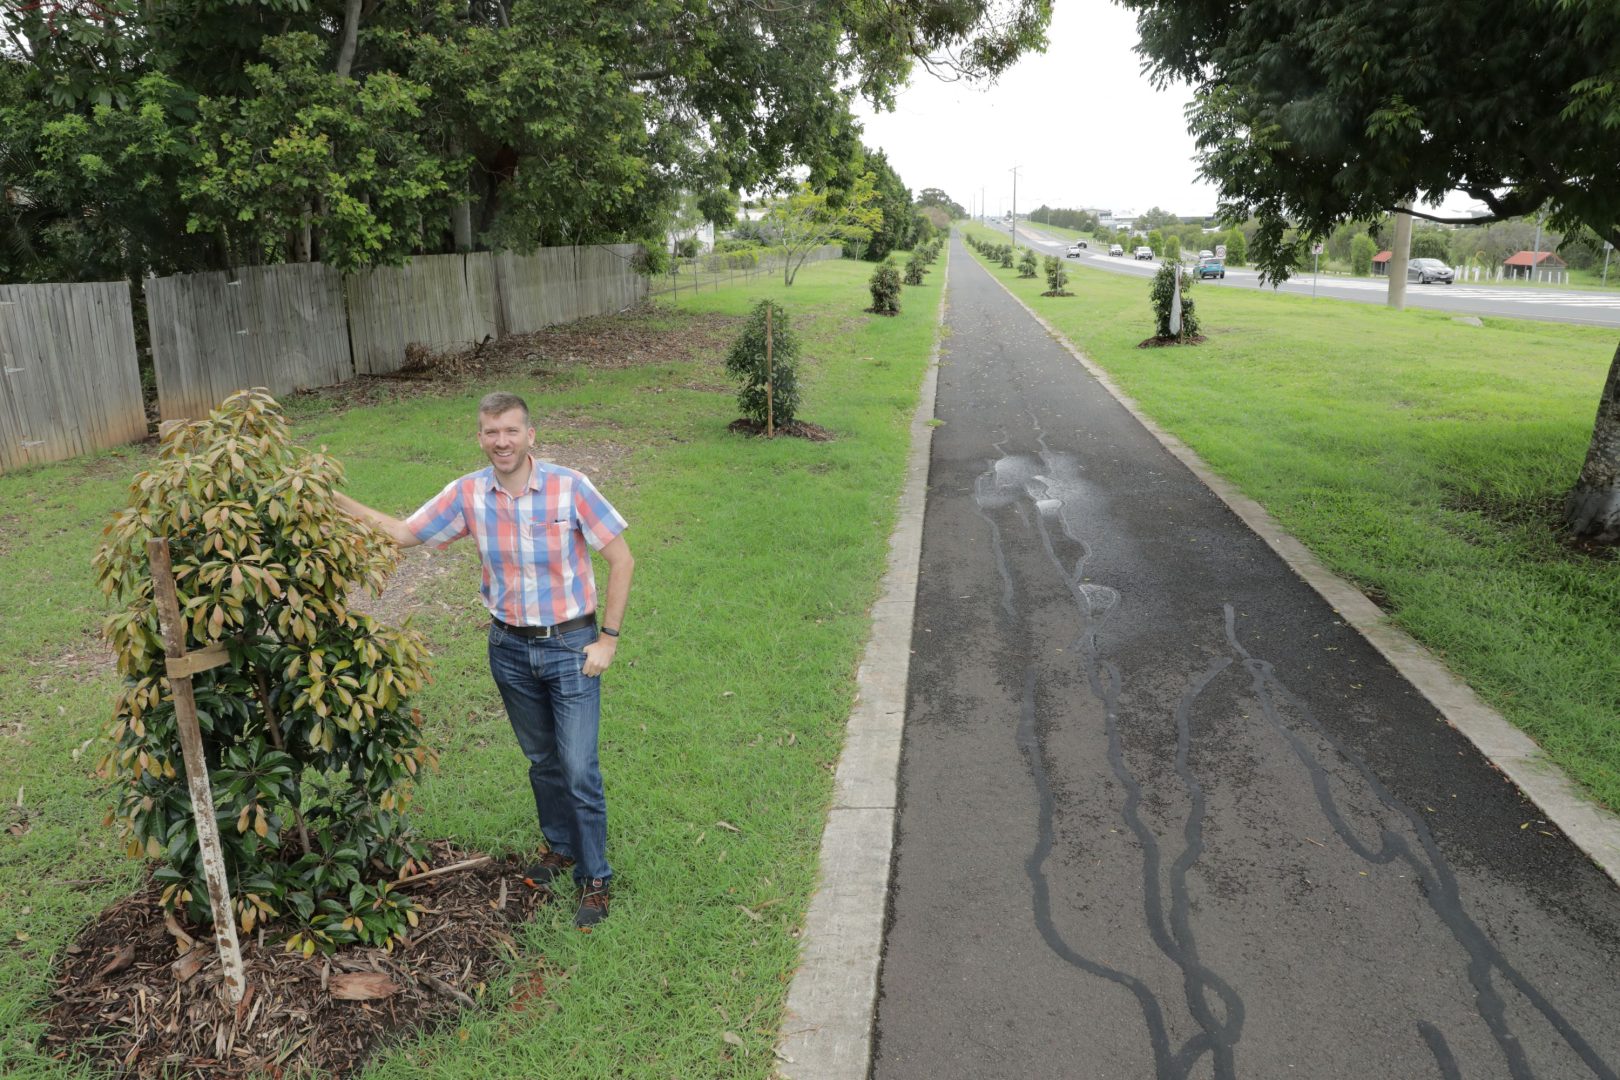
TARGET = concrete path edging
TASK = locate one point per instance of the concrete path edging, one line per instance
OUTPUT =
(826, 1031)
(1595, 831)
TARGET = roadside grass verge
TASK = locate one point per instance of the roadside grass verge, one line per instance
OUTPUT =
(1423, 459)
(723, 714)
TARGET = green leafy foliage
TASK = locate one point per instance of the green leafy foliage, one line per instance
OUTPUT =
(1004, 256)
(162, 137)
(747, 363)
(936, 197)
(312, 747)
(1172, 247)
(1362, 250)
(1161, 294)
(812, 217)
(1237, 248)
(915, 269)
(1057, 276)
(885, 285)
(1026, 263)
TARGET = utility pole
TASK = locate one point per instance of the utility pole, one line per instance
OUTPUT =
(1014, 171)
(1535, 259)
(981, 205)
(1398, 255)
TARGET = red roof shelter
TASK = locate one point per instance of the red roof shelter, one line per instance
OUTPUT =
(1544, 265)
(1381, 262)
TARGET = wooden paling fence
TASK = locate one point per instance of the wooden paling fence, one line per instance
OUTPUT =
(71, 379)
(280, 327)
(70, 383)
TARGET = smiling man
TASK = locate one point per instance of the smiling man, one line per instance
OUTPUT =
(532, 521)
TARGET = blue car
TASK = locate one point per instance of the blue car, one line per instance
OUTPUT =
(1209, 268)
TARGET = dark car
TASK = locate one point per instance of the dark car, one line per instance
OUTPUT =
(1208, 268)
(1424, 271)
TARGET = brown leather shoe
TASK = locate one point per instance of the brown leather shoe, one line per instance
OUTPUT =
(542, 874)
(593, 905)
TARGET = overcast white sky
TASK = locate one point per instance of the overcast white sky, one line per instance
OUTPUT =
(1081, 119)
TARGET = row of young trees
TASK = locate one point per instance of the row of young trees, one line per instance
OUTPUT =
(144, 138)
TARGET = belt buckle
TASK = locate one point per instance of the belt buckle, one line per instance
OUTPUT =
(544, 632)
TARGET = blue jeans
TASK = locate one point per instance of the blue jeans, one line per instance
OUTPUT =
(555, 710)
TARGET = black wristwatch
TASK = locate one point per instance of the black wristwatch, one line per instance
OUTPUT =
(610, 633)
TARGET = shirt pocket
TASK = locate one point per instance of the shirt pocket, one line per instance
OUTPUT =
(543, 532)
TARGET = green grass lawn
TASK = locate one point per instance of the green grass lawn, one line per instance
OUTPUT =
(1423, 459)
(756, 562)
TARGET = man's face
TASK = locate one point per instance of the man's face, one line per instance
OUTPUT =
(505, 440)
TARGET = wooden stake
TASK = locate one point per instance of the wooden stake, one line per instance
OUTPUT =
(468, 864)
(770, 411)
(180, 668)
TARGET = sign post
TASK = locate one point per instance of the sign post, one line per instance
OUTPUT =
(1316, 256)
(181, 666)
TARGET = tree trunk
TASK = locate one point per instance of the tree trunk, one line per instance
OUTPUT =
(1592, 509)
(461, 211)
(1399, 254)
(351, 33)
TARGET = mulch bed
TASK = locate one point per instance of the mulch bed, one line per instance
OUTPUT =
(797, 429)
(644, 335)
(127, 999)
(1167, 342)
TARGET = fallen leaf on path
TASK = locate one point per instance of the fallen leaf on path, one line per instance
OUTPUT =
(733, 1038)
(121, 959)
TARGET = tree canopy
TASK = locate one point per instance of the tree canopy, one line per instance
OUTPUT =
(194, 134)
(934, 196)
(1308, 113)
(1311, 112)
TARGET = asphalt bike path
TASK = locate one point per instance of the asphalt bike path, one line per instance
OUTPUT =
(1163, 813)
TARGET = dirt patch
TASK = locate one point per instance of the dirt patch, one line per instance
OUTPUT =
(1543, 513)
(796, 429)
(1168, 342)
(644, 335)
(127, 1001)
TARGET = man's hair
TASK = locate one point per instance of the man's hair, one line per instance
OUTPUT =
(501, 402)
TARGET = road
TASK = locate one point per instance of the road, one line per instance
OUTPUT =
(1163, 814)
(1549, 304)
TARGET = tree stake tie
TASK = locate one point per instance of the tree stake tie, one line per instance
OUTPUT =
(180, 667)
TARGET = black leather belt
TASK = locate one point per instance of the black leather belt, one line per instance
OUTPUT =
(547, 631)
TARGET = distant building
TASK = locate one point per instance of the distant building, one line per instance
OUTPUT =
(1381, 263)
(1535, 266)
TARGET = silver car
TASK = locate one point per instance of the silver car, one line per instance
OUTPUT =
(1425, 271)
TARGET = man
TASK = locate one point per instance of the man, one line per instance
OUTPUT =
(532, 521)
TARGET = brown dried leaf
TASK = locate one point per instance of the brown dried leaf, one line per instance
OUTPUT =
(188, 965)
(363, 986)
(121, 959)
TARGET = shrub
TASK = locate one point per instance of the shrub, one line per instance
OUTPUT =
(686, 248)
(885, 284)
(1162, 295)
(1362, 250)
(1057, 276)
(746, 362)
(914, 269)
(312, 748)
(1005, 254)
(1172, 247)
(1237, 248)
(1026, 263)
(650, 259)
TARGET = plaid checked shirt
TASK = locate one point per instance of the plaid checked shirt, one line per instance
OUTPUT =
(537, 571)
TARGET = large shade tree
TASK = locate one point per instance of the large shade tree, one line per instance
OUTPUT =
(1308, 113)
(189, 134)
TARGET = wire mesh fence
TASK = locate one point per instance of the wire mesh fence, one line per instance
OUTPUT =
(714, 270)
